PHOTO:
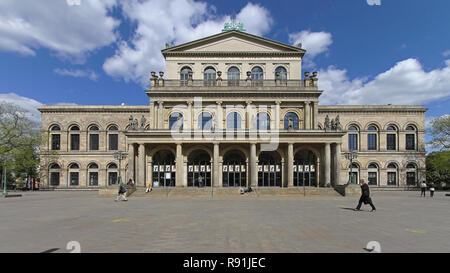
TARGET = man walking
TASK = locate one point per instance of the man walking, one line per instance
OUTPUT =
(423, 188)
(365, 196)
(121, 194)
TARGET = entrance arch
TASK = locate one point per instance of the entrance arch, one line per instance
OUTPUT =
(199, 169)
(269, 169)
(305, 169)
(164, 170)
(234, 171)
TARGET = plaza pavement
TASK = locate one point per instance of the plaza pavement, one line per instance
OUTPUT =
(47, 221)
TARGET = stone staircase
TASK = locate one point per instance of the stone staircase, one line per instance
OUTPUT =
(207, 192)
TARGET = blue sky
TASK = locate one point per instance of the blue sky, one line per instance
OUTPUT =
(101, 52)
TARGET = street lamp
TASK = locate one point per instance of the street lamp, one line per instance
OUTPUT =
(120, 155)
(350, 156)
(5, 158)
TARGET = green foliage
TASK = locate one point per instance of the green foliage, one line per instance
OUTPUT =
(438, 168)
(440, 132)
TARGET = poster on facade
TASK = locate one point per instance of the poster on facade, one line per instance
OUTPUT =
(272, 168)
(295, 168)
(155, 168)
(202, 168)
(260, 168)
(161, 168)
(196, 168)
(266, 168)
(278, 168)
(313, 168)
(168, 168)
(191, 168)
(173, 168)
(236, 168)
(300, 168)
(243, 168)
(307, 168)
(208, 168)
(225, 168)
(168, 175)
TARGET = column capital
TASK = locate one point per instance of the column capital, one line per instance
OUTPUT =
(189, 103)
(160, 102)
(219, 102)
(248, 102)
(307, 102)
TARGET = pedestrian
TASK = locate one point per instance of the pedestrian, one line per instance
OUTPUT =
(431, 189)
(200, 181)
(423, 188)
(365, 196)
(121, 194)
(130, 182)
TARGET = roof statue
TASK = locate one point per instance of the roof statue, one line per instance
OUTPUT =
(233, 25)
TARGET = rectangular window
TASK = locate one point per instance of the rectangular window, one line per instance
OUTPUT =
(113, 142)
(74, 142)
(392, 178)
(372, 178)
(353, 142)
(74, 179)
(112, 178)
(54, 179)
(372, 141)
(390, 139)
(410, 145)
(410, 178)
(56, 142)
(93, 142)
(93, 179)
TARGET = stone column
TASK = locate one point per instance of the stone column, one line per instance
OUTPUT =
(216, 180)
(161, 115)
(141, 165)
(219, 120)
(155, 116)
(316, 115)
(290, 165)
(327, 164)
(131, 156)
(248, 115)
(307, 116)
(189, 115)
(253, 166)
(337, 164)
(152, 114)
(179, 166)
(277, 115)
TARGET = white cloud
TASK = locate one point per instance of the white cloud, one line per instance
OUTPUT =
(70, 31)
(446, 53)
(405, 83)
(77, 73)
(176, 22)
(28, 104)
(373, 2)
(315, 43)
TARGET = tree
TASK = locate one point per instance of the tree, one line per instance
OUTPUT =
(438, 168)
(440, 131)
(19, 137)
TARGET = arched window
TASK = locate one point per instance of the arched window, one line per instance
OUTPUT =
(185, 74)
(410, 138)
(234, 76)
(372, 138)
(205, 121)
(392, 174)
(93, 174)
(353, 138)
(74, 138)
(281, 74)
(176, 121)
(55, 137)
(113, 138)
(262, 121)
(411, 174)
(93, 138)
(54, 173)
(373, 174)
(391, 139)
(74, 174)
(55, 128)
(257, 76)
(112, 174)
(209, 76)
(234, 120)
(291, 121)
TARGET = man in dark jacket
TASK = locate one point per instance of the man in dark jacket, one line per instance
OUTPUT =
(365, 195)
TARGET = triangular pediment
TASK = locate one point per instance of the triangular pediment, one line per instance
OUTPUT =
(233, 41)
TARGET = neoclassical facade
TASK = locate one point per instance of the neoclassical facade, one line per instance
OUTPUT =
(233, 110)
